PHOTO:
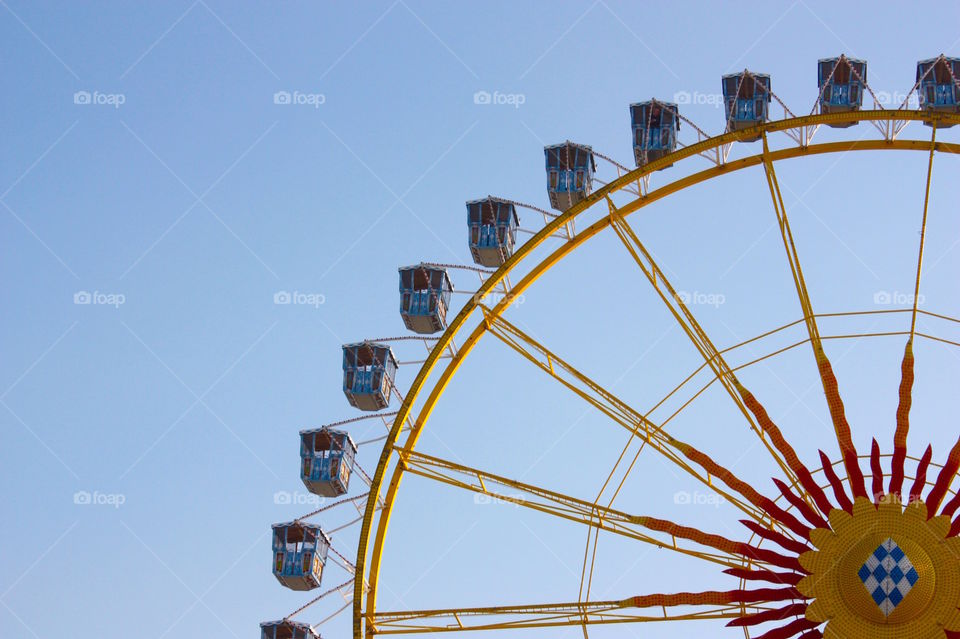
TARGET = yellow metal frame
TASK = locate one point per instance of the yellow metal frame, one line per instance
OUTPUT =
(538, 616)
(556, 504)
(547, 615)
(607, 403)
(371, 541)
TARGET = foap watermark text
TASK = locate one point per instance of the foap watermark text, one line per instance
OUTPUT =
(299, 98)
(483, 499)
(298, 298)
(709, 99)
(697, 498)
(96, 498)
(96, 98)
(499, 99)
(896, 298)
(96, 298)
(697, 298)
(297, 498)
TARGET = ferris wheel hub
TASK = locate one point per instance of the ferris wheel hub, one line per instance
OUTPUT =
(884, 571)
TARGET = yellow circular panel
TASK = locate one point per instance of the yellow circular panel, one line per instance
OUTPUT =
(860, 577)
(857, 595)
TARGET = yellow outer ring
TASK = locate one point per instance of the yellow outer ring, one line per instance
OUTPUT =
(365, 581)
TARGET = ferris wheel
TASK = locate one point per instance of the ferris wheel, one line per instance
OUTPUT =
(863, 545)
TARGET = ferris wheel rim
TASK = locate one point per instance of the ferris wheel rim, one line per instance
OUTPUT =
(365, 590)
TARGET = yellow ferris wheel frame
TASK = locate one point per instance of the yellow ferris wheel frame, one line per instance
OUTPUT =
(367, 573)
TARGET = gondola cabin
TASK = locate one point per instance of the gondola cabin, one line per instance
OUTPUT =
(424, 298)
(286, 629)
(369, 371)
(299, 553)
(570, 169)
(326, 461)
(841, 82)
(746, 100)
(492, 224)
(938, 86)
(655, 125)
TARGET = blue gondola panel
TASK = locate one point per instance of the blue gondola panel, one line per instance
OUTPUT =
(746, 100)
(369, 372)
(299, 554)
(492, 226)
(286, 629)
(655, 125)
(938, 86)
(841, 82)
(424, 298)
(570, 170)
(326, 461)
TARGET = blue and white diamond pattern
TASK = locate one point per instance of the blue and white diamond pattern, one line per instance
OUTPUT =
(888, 575)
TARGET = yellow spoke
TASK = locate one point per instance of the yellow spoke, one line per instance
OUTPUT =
(584, 577)
(923, 230)
(610, 405)
(827, 377)
(556, 504)
(539, 616)
(792, 256)
(701, 341)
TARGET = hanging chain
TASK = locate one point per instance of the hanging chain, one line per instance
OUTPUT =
(329, 506)
(316, 599)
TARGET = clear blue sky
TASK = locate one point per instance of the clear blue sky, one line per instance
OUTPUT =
(182, 198)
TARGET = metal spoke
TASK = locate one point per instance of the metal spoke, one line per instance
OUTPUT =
(923, 230)
(537, 616)
(609, 404)
(906, 368)
(556, 504)
(684, 317)
(827, 379)
(792, 256)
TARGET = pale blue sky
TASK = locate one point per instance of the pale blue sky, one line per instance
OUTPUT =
(182, 198)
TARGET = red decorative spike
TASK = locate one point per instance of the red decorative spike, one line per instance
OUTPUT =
(782, 540)
(717, 597)
(808, 513)
(803, 473)
(847, 450)
(877, 472)
(764, 503)
(786, 578)
(944, 479)
(811, 634)
(770, 557)
(793, 628)
(835, 482)
(951, 506)
(921, 479)
(770, 615)
(721, 543)
(903, 421)
(954, 528)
